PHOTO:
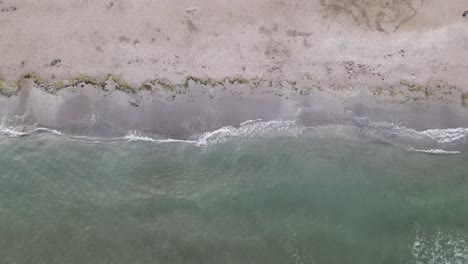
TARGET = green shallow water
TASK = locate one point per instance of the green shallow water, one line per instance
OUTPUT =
(255, 200)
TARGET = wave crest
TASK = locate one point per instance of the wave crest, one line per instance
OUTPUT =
(436, 151)
(432, 141)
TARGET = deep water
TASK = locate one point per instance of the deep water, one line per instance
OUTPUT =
(278, 197)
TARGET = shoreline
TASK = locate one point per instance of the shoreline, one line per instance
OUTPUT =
(306, 125)
(195, 107)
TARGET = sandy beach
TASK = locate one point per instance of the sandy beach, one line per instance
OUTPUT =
(176, 62)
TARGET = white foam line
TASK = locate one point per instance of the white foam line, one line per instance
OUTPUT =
(170, 140)
(48, 130)
(446, 135)
(258, 127)
(441, 136)
(246, 129)
(9, 131)
(134, 138)
(12, 133)
(436, 151)
(252, 128)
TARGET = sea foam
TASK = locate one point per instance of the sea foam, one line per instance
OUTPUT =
(435, 151)
(432, 141)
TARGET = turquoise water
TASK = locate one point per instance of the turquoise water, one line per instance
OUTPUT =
(284, 197)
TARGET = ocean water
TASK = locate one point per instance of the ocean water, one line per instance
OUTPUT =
(263, 192)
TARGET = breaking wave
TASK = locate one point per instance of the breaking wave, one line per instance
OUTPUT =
(436, 151)
(248, 129)
(432, 141)
(47, 130)
(136, 136)
(15, 131)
